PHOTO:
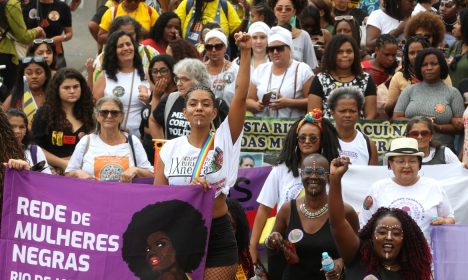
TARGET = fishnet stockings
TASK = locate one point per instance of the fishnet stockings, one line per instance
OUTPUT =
(221, 272)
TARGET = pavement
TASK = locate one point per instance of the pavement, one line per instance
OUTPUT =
(82, 45)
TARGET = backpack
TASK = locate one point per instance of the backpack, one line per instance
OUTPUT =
(224, 6)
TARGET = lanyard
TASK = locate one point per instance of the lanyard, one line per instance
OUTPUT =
(282, 80)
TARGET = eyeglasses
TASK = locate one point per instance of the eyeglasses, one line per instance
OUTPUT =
(182, 80)
(423, 133)
(384, 231)
(280, 48)
(113, 113)
(345, 17)
(286, 9)
(162, 71)
(303, 139)
(28, 59)
(309, 171)
(212, 47)
(40, 41)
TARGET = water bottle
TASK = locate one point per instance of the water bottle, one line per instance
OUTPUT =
(327, 262)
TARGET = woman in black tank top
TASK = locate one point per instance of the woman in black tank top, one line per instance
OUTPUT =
(302, 230)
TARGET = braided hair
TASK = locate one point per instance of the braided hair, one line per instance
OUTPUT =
(407, 69)
(381, 42)
(414, 258)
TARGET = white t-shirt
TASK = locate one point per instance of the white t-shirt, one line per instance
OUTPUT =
(420, 8)
(356, 150)
(450, 157)
(280, 187)
(303, 50)
(422, 201)
(220, 166)
(122, 90)
(223, 85)
(261, 79)
(40, 156)
(106, 162)
(382, 21)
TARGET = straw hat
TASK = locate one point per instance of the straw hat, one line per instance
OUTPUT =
(404, 147)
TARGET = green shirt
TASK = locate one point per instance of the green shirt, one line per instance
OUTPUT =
(17, 28)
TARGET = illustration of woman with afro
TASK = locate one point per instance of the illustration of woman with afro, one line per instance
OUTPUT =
(160, 245)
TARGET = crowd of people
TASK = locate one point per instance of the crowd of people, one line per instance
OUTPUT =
(189, 72)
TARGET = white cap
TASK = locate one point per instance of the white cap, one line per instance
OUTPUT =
(216, 34)
(259, 27)
(278, 33)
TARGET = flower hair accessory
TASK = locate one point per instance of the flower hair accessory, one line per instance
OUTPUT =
(314, 117)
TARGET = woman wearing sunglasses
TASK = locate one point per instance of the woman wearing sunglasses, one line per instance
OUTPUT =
(66, 116)
(221, 71)
(44, 48)
(29, 93)
(422, 129)
(302, 49)
(310, 134)
(302, 229)
(109, 153)
(124, 78)
(279, 88)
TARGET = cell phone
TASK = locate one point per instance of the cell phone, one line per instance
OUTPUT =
(266, 98)
(39, 166)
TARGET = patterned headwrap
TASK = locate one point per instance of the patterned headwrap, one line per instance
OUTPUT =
(314, 117)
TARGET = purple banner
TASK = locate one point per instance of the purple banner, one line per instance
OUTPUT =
(449, 251)
(62, 228)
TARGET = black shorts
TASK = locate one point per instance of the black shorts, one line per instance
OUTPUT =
(222, 245)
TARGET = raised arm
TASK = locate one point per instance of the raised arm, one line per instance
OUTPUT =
(346, 238)
(238, 104)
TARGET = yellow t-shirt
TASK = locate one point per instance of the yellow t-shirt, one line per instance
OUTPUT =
(228, 25)
(141, 14)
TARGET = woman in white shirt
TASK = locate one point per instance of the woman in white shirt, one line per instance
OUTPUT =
(109, 153)
(124, 78)
(279, 88)
(33, 153)
(211, 160)
(422, 198)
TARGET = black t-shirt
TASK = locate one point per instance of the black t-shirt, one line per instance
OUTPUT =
(52, 17)
(177, 124)
(57, 142)
(357, 270)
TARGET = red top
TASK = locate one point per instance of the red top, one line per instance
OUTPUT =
(152, 43)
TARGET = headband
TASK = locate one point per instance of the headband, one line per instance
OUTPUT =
(314, 117)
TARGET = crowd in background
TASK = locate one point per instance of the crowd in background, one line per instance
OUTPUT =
(189, 72)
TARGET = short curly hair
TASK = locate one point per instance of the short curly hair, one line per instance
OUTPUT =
(415, 256)
(430, 22)
(180, 221)
(444, 70)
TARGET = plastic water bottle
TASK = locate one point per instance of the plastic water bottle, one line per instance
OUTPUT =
(327, 262)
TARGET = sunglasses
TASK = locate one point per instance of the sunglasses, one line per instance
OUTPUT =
(309, 171)
(40, 41)
(345, 17)
(28, 59)
(182, 80)
(286, 9)
(423, 133)
(162, 71)
(113, 113)
(212, 47)
(278, 49)
(303, 139)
